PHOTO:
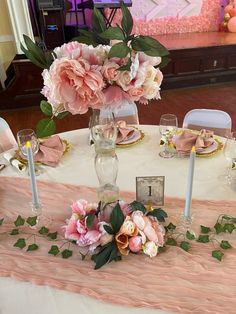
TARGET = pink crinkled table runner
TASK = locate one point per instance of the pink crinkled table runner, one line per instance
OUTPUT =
(177, 281)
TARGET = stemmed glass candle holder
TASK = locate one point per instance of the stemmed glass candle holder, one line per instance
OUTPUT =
(168, 127)
(229, 152)
(104, 135)
(24, 136)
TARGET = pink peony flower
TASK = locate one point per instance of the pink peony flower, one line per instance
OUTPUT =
(114, 95)
(135, 244)
(150, 227)
(75, 84)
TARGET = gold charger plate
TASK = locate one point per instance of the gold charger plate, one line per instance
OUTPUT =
(25, 162)
(142, 135)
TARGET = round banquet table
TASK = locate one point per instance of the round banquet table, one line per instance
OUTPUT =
(77, 167)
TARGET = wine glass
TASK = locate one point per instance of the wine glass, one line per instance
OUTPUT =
(24, 136)
(168, 127)
(229, 152)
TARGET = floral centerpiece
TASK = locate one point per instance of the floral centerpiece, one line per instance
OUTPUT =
(101, 67)
(110, 232)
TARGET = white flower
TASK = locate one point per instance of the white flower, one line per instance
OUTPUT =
(105, 237)
(150, 249)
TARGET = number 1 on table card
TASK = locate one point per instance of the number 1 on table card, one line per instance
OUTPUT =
(150, 190)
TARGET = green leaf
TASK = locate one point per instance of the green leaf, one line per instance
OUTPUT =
(90, 220)
(34, 49)
(66, 253)
(117, 218)
(43, 230)
(185, 245)
(228, 228)
(86, 40)
(126, 67)
(159, 213)
(113, 33)
(190, 236)
(32, 221)
(52, 235)
(203, 238)
(1, 221)
(226, 217)
(108, 229)
(119, 50)
(171, 226)
(45, 127)
(205, 229)
(138, 206)
(20, 243)
(218, 228)
(164, 61)
(46, 108)
(154, 46)
(62, 115)
(225, 245)
(127, 20)
(171, 241)
(217, 254)
(54, 250)
(14, 232)
(32, 247)
(114, 253)
(19, 221)
(98, 22)
(103, 256)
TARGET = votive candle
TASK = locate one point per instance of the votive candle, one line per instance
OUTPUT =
(35, 197)
(187, 209)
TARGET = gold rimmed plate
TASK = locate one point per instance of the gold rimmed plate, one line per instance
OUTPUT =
(212, 150)
(134, 139)
(17, 155)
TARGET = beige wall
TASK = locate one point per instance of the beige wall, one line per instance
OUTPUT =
(7, 44)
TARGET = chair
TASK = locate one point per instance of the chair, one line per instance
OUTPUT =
(127, 111)
(216, 120)
(7, 139)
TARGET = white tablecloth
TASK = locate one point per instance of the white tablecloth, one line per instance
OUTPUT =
(77, 167)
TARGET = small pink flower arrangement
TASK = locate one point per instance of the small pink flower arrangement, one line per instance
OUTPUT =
(115, 230)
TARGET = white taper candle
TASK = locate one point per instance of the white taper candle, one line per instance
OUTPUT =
(187, 209)
(35, 197)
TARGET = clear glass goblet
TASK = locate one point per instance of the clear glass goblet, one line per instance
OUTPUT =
(168, 126)
(229, 152)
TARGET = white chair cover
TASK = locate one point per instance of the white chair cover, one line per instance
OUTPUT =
(7, 139)
(127, 112)
(216, 120)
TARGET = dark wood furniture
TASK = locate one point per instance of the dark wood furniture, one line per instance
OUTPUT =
(199, 58)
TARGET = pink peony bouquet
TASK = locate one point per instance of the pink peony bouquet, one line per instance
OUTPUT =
(83, 77)
(115, 230)
(101, 67)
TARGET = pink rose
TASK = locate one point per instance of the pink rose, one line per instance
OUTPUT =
(135, 93)
(110, 71)
(135, 244)
(72, 50)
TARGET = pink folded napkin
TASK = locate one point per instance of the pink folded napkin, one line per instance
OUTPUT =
(50, 151)
(124, 131)
(186, 140)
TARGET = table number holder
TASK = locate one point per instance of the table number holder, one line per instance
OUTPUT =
(150, 190)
